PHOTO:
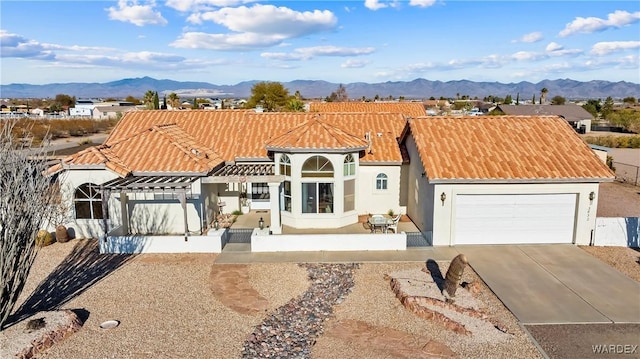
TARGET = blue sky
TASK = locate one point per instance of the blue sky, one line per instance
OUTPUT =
(228, 41)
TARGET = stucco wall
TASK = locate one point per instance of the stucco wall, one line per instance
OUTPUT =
(137, 213)
(370, 200)
(86, 228)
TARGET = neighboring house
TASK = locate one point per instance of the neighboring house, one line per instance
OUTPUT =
(577, 116)
(38, 112)
(109, 112)
(172, 172)
(82, 108)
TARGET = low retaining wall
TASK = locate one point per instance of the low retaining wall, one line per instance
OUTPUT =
(262, 241)
(134, 244)
(621, 232)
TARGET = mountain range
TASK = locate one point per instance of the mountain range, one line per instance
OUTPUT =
(416, 89)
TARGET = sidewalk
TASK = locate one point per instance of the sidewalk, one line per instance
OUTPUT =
(238, 253)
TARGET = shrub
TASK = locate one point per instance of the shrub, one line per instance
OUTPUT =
(614, 141)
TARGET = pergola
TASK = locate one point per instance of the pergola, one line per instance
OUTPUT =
(179, 185)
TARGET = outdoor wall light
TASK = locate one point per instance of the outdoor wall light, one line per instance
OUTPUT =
(216, 224)
(592, 196)
(261, 223)
(443, 196)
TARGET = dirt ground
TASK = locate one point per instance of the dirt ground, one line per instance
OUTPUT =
(618, 199)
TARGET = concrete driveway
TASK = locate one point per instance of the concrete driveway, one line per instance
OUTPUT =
(554, 284)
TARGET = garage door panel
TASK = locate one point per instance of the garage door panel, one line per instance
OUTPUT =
(510, 219)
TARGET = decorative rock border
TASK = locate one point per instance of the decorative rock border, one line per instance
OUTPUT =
(292, 329)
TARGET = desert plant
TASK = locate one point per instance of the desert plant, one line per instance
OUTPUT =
(44, 238)
(390, 212)
(25, 194)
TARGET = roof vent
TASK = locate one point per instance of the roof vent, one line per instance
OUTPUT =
(195, 152)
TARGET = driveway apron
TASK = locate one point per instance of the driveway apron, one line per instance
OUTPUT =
(551, 284)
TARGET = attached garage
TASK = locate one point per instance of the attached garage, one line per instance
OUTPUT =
(502, 180)
(514, 218)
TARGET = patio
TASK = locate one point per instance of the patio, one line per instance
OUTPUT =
(250, 220)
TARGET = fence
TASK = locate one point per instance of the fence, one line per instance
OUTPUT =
(627, 173)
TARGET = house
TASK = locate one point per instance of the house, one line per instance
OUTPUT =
(164, 172)
(111, 111)
(575, 115)
(82, 108)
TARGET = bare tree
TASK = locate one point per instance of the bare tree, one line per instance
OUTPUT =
(26, 195)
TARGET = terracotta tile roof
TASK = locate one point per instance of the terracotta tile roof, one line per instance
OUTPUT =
(241, 134)
(410, 109)
(160, 149)
(316, 134)
(504, 148)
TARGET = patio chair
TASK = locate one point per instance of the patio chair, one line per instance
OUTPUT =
(394, 226)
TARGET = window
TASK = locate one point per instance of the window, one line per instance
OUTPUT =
(260, 192)
(286, 195)
(349, 166)
(285, 165)
(381, 181)
(88, 202)
(317, 197)
(317, 166)
(349, 195)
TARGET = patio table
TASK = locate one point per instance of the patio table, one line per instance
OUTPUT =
(379, 221)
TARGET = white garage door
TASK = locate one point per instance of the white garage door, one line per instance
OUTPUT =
(511, 219)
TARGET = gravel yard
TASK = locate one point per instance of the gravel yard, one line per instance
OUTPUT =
(617, 199)
(172, 306)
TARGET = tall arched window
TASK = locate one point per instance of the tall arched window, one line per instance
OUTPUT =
(317, 197)
(285, 165)
(381, 181)
(88, 202)
(349, 166)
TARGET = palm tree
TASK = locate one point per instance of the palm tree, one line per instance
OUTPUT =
(148, 99)
(174, 100)
(543, 95)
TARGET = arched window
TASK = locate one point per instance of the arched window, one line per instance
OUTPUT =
(349, 166)
(381, 181)
(317, 197)
(285, 165)
(317, 166)
(88, 202)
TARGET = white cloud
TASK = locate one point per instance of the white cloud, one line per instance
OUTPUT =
(555, 49)
(14, 45)
(226, 42)
(553, 46)
(604, 48)
(269, 19)
(199, 5)
(530, 37)
(308, 53)
(527, 56)
(139, 15)
(255, 27)
(354, 63)
(374, 4)
(422, 3)
(588, 25)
